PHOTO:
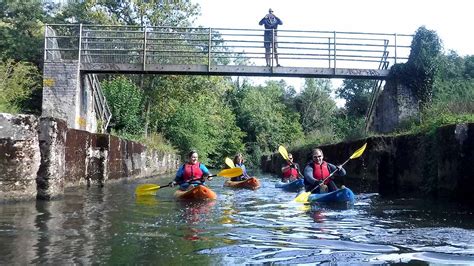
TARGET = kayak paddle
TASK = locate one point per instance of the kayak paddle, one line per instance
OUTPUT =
(229, 162)
(303, 197)
(283, 152)
(150, 189)
(232, 172)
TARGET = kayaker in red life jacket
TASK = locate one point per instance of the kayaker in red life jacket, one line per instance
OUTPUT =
(239, 162)
(192, 173)
(317, 170)
(290, 170)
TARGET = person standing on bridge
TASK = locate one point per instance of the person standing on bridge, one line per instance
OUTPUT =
(270, 22)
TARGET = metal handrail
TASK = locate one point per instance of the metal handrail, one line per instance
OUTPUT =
(123, 44)
(375, 93)
(99, 101)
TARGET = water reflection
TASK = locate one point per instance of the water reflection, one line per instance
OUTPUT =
(318, 216)
(43, 242)
(146, 200)
(18, 233)
(194, 214)
(110, 225)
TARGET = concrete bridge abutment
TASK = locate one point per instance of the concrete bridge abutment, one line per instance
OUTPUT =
(67, 95)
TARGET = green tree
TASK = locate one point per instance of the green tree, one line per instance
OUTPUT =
(125, 101)
(454, 85)
(263, 116)
(191, 112)
(315, 105)
(142, 13)
(356, 93)
(21, 30)
(419, 72)
(200, 121)
(469, 67)
(17, 82)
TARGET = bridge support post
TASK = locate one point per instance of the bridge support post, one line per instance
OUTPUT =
(66, 96)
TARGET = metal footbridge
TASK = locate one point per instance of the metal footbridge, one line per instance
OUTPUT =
(224, 51)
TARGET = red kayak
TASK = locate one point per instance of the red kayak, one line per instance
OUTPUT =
(250, 183)
(196, 193)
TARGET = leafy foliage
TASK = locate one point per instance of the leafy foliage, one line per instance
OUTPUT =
(125, 101)
(21, 30)
(356, 93)
(453, 91)
(143, 13)
(199, 120)
(17, 82)
(423, 62)
(349, 127)
(261, 114)
(315, 105)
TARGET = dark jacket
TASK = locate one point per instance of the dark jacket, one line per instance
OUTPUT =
(310, 182)
(270, 22)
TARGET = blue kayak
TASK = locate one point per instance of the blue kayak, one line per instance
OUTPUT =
(294, 186)
(340, 195)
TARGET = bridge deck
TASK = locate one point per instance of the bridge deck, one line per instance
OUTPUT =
(232, 70)
(230, 52)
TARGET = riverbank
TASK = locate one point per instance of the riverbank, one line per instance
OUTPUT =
(439, 164)
(39, 157)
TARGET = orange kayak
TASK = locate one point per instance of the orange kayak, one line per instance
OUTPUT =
(250, 183)
(196, 193)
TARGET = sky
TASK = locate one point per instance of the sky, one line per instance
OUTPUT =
(452, 20)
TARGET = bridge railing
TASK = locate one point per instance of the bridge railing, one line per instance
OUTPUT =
(223, 46)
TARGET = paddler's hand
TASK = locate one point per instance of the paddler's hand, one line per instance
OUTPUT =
(209, 178)
(172, 183)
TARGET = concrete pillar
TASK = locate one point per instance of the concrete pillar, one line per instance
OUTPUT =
(68, 95)
(52, 141)
(19, 156)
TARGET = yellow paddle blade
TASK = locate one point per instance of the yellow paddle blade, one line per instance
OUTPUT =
(283, 152)
(359, 152)
(232, 172)
(303, 197)
(229, 162)
(146, 189)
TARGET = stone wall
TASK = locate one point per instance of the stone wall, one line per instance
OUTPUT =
(438, 165)
(396, 105)
(40, 157)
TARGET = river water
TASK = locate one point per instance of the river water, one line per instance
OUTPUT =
(110, 226)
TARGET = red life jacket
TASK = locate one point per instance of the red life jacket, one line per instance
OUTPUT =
(191, 172)
(290, 172)
(321, 171)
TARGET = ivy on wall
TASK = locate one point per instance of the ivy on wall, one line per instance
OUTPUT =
(419, 72)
